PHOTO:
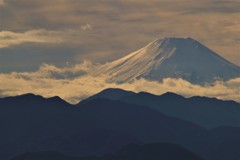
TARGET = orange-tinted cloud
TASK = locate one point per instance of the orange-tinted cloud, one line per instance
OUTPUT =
(74, 84)
(120, 27)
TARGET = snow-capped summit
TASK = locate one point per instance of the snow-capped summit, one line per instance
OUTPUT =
(183, 58)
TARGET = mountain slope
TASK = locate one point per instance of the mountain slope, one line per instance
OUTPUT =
(111, 93)
(204, 111)
(171, 57)
(30, 99)
(96, 127)
(102, 126)
(156, 151)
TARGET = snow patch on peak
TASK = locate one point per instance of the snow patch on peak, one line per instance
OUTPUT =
(174, 40)
(173, 43)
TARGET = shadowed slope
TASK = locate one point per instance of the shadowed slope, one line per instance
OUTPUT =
(204, 111)
(156, 151)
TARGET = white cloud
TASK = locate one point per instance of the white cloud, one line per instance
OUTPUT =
(74, 84)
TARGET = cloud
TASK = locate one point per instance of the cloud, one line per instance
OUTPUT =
(120, 27)
(73, 83)
(86, 27)
(2, 2)
(224, 7)
(8, 38)
(47, 71)
(37, 32)
(67, 36)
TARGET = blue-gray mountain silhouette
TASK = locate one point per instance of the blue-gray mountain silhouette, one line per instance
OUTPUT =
(204, 111)
(97, 127)
(158, 151)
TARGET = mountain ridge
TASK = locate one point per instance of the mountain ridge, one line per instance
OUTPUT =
(216, 112)
(183, 58)
(130, 152)
(102, 126)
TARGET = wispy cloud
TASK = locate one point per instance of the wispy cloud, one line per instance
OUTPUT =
(67, 36)
(123, 26)
(86, 27)
(8, 38)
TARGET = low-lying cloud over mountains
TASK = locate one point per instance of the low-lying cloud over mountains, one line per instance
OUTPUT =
(73, 83)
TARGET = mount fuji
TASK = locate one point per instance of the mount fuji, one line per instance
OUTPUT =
(183, 58)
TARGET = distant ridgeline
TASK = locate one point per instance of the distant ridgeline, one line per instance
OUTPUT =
(119, 125)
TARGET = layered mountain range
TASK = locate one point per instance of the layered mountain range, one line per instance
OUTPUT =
(116, 124)
(112, 125)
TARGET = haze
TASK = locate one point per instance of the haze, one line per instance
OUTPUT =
(47, 47)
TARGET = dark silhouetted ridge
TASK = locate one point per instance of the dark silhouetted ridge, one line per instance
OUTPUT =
(216, 112)
(158, 151)
(103, 126)
(171, 95)
(27, 96)
(110, 93)
(32, 100)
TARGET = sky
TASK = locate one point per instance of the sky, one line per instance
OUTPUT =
(46, 36)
